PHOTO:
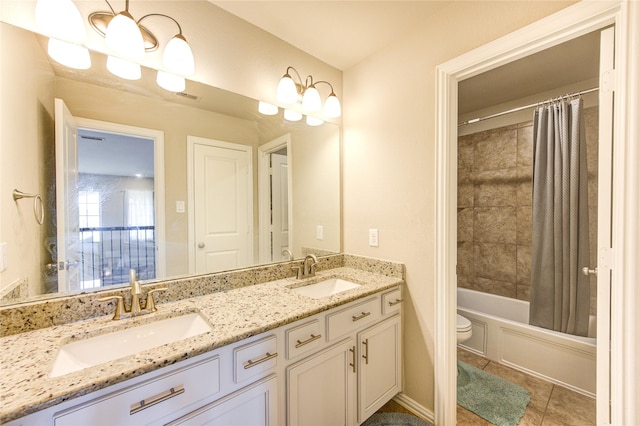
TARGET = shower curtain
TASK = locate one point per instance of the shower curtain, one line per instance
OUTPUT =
(560, 240)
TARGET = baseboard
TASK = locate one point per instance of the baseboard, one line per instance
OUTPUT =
(416, 408)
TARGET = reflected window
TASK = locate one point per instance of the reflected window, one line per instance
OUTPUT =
(89, 209)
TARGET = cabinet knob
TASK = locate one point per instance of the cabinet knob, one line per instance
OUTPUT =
(201, 245)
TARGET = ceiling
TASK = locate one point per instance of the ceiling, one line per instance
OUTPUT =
(340, 33)
(343, 33)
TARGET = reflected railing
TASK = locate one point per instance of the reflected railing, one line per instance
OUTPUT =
(107, 254)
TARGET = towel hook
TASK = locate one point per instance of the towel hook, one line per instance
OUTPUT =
(37, 212)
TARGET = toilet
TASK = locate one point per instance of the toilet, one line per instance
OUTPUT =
(463, 328)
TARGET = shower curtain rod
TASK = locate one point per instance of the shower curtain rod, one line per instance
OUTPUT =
(498, 114)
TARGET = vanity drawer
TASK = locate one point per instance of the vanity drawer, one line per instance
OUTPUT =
(150, 400)
(303, 338)
(391, 301)
(352, 318)
(255, 358)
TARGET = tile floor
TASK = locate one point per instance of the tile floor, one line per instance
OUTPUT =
(551, 405)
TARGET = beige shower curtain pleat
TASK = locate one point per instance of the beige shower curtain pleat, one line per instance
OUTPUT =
(560, 293)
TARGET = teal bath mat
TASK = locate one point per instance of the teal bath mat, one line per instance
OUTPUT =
(492, 398)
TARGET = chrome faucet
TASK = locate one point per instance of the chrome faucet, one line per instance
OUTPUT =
(308, 268)
(135, 308)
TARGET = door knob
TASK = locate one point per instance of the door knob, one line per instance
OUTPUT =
(200, 245)
(587, 271)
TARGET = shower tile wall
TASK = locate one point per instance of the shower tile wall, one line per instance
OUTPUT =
(494, 207)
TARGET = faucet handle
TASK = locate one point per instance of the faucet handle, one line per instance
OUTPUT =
(119, 305)
(299, 271)
(151, 303)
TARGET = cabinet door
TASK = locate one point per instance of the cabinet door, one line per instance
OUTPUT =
(320, 388)
(379, 359)
(255, 405)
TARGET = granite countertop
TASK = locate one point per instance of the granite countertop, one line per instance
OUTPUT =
(26, 358)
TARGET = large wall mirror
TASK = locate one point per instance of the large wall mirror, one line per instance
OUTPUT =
(130, 176)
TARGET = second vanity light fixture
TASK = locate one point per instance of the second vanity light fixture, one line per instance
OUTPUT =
(291, 92)
(125, 37)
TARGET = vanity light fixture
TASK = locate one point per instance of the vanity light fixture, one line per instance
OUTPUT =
(62, 22)
(292, 115)
(267, 108)
(314, 121)
(288, 92)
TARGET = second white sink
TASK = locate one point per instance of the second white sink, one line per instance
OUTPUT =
(86, 353)
(325, 288)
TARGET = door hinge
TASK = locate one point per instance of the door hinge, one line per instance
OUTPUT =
(605, 258)
(608, 81)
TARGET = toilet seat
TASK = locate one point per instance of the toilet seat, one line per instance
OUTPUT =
(462, 324)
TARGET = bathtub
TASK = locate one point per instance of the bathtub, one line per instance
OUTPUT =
(501, 333)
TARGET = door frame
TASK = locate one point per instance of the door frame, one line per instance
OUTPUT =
(574, 21)
(264, 205)
(158, 177)
(191, 238)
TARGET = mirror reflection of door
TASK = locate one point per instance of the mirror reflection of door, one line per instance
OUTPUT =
(108, 218)
(221, 204)
(279, 206)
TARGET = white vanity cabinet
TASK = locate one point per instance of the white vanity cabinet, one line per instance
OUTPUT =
(359, 371)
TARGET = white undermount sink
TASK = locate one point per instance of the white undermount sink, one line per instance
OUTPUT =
(86, 353)
(325, 288)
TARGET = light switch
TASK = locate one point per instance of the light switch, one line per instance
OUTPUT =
(319, 232)
(179, 206)
(373, 238)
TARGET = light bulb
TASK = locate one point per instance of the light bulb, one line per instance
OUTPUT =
(267, 109)
(178, 57)
(60, 19)
(170, 82)
(69, 54)
(123, 68)
(332, 108)
(291, 115)
(313, 121)
(124, 37)
(287, 92)
(311, 99)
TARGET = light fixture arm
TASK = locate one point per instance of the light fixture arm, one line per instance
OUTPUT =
(161, 14)
(299, 78)
(326, 82)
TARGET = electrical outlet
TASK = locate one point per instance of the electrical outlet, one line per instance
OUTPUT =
(373, 238)
(319, 232)
(179, 206)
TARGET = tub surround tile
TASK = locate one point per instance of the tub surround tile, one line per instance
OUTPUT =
(495, 188)
(465, 224)
(465, 264)
(465, 189)
(233, 313)
(525, 145)
(524, 223)
(524, 186)
(523, 292)
(465, 153)
(495, 149)
(495, 261)
(494, 225)
(523, 262)
(500, 288)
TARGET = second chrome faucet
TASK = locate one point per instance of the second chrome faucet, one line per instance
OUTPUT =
(135, 308)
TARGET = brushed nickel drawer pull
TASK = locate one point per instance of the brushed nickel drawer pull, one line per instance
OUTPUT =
(353, 351)
(252, 363)
(395, 302)
(156, 399)
(364, 314)
(366, 351)
(309, 340)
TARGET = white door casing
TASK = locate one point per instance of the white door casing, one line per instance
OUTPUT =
(220, 203)
(67, 217)
(279, 206)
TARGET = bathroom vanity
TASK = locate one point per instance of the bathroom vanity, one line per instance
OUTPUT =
(273, 356)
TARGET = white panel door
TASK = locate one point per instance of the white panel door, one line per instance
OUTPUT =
(67, 216)
(222, 199)
(279, 206)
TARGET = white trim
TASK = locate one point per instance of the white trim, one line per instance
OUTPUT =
(569, 23)
(264, 209)
(191, 230)
(158, 177)
(414, 407)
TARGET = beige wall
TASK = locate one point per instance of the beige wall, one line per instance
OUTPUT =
(24, 143)
(389, 156)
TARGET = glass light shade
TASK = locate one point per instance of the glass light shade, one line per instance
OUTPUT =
(311, 99)
(178, 57)
(314, 121)
(170, 82)
(287, 92)
(291, 115)
(60, 19)
(267, 108)
(124, 37)
(332, 108)
(123, 68)
(69, 54)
